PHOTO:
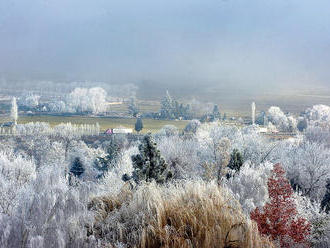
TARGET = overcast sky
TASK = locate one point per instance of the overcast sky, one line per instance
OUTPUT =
(250, 43)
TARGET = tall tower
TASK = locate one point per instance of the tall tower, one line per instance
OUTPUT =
(253, 108)
(14, 110)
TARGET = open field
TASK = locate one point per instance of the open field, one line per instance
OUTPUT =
(150, 125)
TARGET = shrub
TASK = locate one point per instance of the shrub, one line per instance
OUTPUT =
(278, 218)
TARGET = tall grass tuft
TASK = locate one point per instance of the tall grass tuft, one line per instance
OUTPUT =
(189, 214)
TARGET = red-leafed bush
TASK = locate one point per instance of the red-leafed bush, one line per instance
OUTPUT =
(279, 218)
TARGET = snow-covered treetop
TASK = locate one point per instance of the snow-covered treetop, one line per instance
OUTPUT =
(318, 113)
(29, 100)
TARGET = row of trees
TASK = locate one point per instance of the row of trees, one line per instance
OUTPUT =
(62, 129)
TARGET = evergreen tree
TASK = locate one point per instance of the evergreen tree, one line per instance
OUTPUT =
(215, 113)
(302, 125)
(236, 160)
(104, 163)
(177, 110)
(77, 167)
(167, 107)
(261, 118)
(138, 124)
(325, 204)
(149, 165)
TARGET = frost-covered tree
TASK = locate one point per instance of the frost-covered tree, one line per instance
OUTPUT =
(167, 130)
(108, 160)
(307, 166)
(87, 156)
(15, 173)
(280, 120)
(14, 110)
(222, 157)
(192, 126)
(184, 156)
(149, 165)
(33, 128)
(318, 113)
(29, 100)
(277, 117)
(253, 113)
(67, 130)
(318, 134)
(58, 107)
(319, 220)
(49, 213)
(215, 141)
(82, 100)
(249, 185)
(87, 100)
(167, 107)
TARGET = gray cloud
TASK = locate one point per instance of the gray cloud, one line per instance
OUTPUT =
(188, 42)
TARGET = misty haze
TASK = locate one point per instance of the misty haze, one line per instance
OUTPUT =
(163, 123)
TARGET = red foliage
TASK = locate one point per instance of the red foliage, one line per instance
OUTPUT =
(278, 218)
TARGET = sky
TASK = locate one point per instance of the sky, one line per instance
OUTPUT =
(220, 44)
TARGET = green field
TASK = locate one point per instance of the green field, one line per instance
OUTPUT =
(150, 125)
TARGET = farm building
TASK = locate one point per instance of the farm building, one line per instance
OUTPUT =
(118, 131)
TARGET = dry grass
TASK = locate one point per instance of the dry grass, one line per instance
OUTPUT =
(192, 214)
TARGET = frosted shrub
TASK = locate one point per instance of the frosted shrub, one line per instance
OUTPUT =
(48, 213)
(15, 174)
(249, 185)
(168, 131)
(182, 155)
(308, 166)
(319, 220)
(112, 181)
